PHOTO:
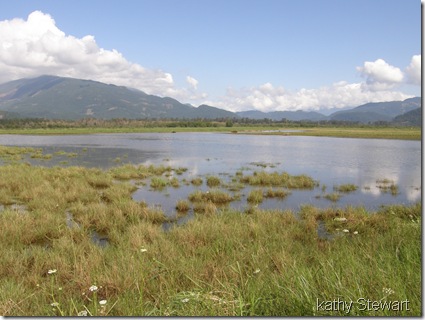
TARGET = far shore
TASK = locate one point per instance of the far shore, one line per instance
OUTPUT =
(374, 132)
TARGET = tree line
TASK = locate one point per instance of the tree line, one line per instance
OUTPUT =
(36, 123)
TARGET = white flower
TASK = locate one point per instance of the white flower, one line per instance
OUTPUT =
(355, 232)
(257, 271)
(143, 250)
(93, 288)
(388, 291)
(102, 302)
(345, 230)
(54, 304)
(185, 300)
(52, 271)
(82, 313)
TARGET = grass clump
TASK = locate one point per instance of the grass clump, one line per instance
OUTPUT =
(276, 193)
(213, 181)
(255, 196)
(276, 179)
(182, 206)
(196, 181)
(214, 196)
(335, 196)
(159, 183)
(346, 188)
(15, 153)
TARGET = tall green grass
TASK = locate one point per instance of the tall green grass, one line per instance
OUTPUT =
(222, 262)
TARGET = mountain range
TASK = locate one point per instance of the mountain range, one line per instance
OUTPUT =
(55, 97)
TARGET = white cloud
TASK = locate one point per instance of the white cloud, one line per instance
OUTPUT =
(380, 75)
(192, 82)
(36, 46)
(268, 98)
(413, 71)
(380, 85)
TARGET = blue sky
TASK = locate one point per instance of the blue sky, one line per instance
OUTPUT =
(234, 54)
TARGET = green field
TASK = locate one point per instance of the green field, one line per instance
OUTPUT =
(74, 241)
(406, 133)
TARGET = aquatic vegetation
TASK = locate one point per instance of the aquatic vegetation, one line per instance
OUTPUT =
(207, 208)
(255, 196)
(16, 153)
(335, 196)
(159, 183)
(215, 196)
(213, 181)
(182, 206)
(276, 193)
(346, 188)
(275, 179)
(222, 262)
(196, 181)
(180, 170)
(386, 185)
(174, 182)
(264, 164)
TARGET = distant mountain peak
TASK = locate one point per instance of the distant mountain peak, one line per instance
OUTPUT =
(68, 98)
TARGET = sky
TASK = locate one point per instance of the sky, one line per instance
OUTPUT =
(268, 55)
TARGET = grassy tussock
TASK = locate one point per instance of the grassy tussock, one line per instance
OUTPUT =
(275, 179)
(346, 188)
(215, 196)
(255, 196)
(213, 181)
(220, 263)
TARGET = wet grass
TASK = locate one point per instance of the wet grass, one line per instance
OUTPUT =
(276, 179)
(346, 188)
(215, 196)
(182, 206)
(255, 196)
(335, 196)
(222, 262)
(213, 181)
(196, 181)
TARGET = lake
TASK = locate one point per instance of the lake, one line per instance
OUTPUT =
(330, 161)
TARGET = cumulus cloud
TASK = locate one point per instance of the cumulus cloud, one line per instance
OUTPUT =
(268, 98)
(413, 71)
(380, 75)
(37, 46)
(192, 82)
(381, 84)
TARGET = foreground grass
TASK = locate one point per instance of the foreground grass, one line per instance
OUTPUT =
(405, 133)
(224, 263)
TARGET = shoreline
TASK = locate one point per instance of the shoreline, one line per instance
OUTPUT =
(399, 133)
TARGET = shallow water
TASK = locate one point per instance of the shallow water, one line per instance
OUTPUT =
(330, 161)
